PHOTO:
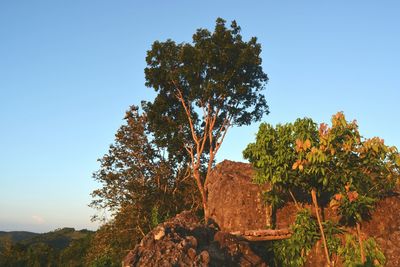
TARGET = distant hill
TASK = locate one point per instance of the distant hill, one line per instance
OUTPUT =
(61, 247)
(57, 239)
(17, 236)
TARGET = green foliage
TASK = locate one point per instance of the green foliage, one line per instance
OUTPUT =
(350, 253)
(142, 185)
(218, 73)
(138, 173)
(105, 261)
(155, 220)
(353, 207)
(301, 156)
(274, 198)
(16, 236)
(292, 252)
(273, 153)
(332, 232)
(335, 162)
(203, 89)
(62, 247)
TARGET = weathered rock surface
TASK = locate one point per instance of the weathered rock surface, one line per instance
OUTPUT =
(184, 241)
(234, 201)
(384, 226)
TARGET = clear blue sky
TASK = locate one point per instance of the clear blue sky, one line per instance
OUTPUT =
(69, 70)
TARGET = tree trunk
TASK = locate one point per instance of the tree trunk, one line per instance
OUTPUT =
(314, 199)
(268, 217)
(200, 186)
(361, 244)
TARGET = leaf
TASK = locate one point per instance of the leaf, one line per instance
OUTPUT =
(398, 160)
(295, 165)
(307, 144)
(299, 145)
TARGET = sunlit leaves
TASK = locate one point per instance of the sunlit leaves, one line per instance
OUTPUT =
(333, 161)
(323, 157)
(217, 73)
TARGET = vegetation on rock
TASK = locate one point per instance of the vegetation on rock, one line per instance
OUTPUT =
(333, 164)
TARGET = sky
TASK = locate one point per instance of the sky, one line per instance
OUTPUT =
(69, 69)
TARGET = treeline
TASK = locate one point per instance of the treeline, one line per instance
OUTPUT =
(62, 247)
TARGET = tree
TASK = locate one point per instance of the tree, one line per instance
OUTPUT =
(140, 186)
(135, 172)
(332, 163)
(204, 88)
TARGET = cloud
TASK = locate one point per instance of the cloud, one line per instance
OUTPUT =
(38, 219)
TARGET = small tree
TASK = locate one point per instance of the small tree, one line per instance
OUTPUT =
(139, 182)
(203, 89)
(135, 172)
(325, 161)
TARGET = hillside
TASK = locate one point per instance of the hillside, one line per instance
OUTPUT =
(17, 236)
(65, 247)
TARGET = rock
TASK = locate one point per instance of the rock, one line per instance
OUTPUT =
(159, 233)
(191, 253)
(188, 242)
(384, 225)
(191, 241)
(234, 201)
(205, 257)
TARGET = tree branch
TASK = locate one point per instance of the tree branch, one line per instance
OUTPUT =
(179, 96)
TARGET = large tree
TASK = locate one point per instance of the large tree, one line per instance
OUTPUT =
(204, 88)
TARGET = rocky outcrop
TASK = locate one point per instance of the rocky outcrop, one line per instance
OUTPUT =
(184, 241)
(235, 203)
(384, 226)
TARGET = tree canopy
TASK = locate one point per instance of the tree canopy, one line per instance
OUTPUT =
(335, 164)
(303, 155)
(204, 88)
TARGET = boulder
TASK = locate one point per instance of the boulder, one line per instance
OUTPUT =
(235, 203)
(185, 241)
